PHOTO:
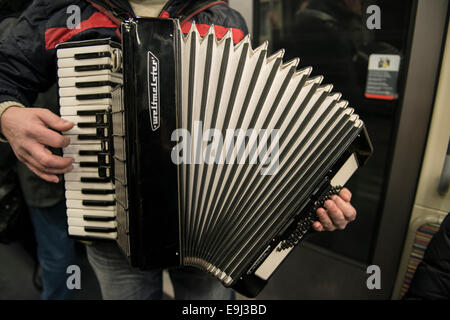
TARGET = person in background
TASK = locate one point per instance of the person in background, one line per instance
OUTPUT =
(431, 280)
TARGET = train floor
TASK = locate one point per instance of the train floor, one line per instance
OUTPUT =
(309, 273)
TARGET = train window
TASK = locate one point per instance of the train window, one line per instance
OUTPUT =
(339, 38)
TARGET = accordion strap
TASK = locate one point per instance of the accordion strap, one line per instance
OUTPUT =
(195, 7)
(110, 10)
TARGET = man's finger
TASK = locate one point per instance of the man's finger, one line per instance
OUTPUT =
(347, 209)
(51, 171)
(325, 220)
(335, 214)
(345, 194)
(53, 121)
(48, 160)
(47, 177)
(318, 226)
(51, 138)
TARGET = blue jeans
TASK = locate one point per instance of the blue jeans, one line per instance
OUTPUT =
(56, 251)
(119, 281)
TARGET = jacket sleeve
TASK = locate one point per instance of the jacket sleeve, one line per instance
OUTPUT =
(432, 278)
(26, 67)
(27, 55)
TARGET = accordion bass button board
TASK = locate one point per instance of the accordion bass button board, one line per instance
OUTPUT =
(208, 154)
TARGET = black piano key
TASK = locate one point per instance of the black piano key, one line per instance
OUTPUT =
(93, 84)
(90, 152)
(91, 112)
(86, 164)
(92, 55)
(99, 218)
(85, 137)
(100, 229)
(93, 67)
(93, 96)
(99, 203)
(97, 191)
(95, 180)
(91, 125)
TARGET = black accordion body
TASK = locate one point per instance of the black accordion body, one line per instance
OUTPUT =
(194, 151)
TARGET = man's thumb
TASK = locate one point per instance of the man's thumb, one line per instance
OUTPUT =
(53, 121)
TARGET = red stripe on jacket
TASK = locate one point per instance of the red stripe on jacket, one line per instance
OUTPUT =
(53, 36)
(238, 34)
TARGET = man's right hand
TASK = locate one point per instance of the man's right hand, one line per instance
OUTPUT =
(28, 131)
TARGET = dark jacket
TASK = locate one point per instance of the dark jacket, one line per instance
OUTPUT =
(432, 278)
(28, 59)
(27, 56)
(36, 191)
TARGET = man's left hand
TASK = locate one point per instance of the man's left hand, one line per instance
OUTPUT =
(338, 212)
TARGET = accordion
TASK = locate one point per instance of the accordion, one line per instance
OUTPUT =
(194, 151)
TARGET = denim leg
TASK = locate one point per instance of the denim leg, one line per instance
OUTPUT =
(119, 281)
(194, 284)
(56, 251)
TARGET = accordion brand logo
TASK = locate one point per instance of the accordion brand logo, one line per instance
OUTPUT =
(231, 146)
(153, 90)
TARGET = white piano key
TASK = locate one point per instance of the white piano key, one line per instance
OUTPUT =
(73, 91)
(78, 119)
(76, 176)
(71, 52)
(72, 62)
(79, 158)
(78, 204)
(77, 213)
(72, 82)
(77, 168)
(76, 148)
(75, 185)
(80, 232)
(73, 101)
(72, 110)
(78, 195)
(80, 222)
(74, 140)
(78, 130)
(70, 72)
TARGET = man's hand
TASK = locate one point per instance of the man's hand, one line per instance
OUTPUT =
(28, 131)
(339, 212)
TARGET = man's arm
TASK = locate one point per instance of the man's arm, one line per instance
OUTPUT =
(25, 69)
(28, 131)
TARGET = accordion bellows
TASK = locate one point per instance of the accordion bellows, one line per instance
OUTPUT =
(228, 210)
(221, 152)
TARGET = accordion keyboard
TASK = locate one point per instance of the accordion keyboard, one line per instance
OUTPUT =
(87, 75)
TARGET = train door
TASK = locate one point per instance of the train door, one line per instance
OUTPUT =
(384, 57)
(432, 202)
